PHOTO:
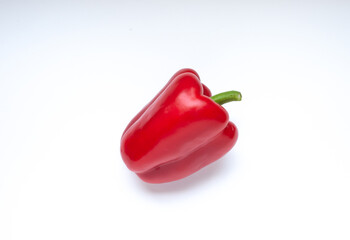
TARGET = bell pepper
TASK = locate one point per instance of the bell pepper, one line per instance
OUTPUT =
(181, 130)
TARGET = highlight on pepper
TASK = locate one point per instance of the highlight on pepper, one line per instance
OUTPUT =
(181, 130)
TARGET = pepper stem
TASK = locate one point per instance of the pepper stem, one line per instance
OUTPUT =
(226, 97)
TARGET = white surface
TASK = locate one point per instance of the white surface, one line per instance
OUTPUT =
(72, 75)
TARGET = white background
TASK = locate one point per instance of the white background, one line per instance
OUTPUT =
(73, 74)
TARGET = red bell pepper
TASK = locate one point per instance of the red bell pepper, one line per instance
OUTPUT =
(180, 131)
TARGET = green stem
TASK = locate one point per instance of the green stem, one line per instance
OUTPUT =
(226, 97)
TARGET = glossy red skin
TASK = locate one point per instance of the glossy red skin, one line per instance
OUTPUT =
(179, 132)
